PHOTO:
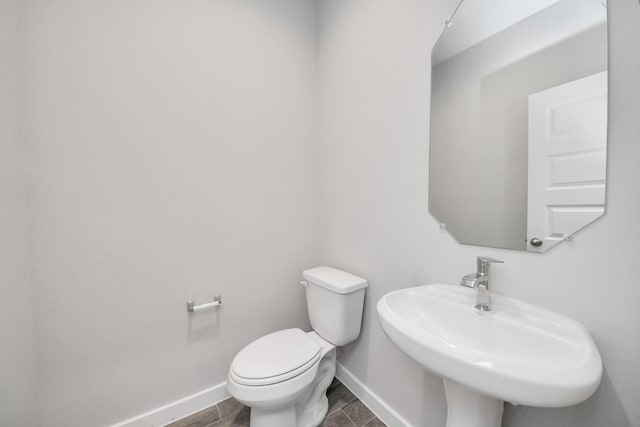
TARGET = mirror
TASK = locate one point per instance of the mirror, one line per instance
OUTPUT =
(519, 122)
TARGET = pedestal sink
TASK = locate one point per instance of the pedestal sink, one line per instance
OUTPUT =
(517, 352)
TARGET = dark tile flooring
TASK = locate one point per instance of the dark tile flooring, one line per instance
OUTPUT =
(345, 410)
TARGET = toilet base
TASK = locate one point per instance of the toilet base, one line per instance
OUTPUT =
(313, 418)
(261, 417)
(307, 411)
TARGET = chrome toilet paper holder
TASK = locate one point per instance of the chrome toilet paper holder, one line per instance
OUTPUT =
(192, 307)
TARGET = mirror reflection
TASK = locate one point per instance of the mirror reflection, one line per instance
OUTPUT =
(519, 122)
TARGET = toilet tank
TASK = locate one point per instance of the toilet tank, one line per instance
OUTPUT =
(335, 300)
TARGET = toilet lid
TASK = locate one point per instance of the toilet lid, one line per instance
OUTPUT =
(275, 358)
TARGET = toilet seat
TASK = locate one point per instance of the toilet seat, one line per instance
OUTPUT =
(275, 358)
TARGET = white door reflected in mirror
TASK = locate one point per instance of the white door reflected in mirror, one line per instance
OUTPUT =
(567, 160)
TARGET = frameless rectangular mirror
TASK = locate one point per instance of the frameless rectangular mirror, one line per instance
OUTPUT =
(519, 121)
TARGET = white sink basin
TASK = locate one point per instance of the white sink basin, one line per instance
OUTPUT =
(516, 352)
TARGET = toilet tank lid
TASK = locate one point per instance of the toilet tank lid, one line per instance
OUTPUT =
(335, 280)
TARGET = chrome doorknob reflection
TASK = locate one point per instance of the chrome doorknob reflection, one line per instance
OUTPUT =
(536, 242)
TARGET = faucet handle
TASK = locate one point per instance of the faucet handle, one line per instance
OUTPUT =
(484, 262)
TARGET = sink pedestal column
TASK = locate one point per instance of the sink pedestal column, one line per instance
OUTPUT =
(467, 408)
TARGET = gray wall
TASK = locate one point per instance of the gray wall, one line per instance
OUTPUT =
(374, 109)
(171, 155)
(171, 152)
(18, 369)
(479, 131)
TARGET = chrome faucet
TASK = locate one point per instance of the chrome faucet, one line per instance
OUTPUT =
(480, 281)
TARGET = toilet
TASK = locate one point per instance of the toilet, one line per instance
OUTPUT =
(283, 376)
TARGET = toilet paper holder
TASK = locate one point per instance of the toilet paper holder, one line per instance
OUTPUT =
(192, 307)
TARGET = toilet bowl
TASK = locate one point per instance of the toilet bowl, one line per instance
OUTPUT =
(283, 376)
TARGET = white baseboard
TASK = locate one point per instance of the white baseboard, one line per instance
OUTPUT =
(196, 402)
(378, 406)
(179, 408)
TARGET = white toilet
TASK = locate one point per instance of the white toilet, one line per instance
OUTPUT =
(284, 376)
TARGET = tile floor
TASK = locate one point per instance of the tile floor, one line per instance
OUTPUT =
(345, 410)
